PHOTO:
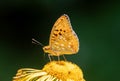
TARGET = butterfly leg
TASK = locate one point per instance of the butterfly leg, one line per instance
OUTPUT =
(49, 57)
(58, 58)
(64, 58)
(52, 57)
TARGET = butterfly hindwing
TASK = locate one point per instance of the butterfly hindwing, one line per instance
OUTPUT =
(63, 38)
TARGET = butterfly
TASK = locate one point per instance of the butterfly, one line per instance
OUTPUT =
(63, 39)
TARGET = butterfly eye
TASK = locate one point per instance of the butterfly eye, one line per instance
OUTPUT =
(46, 48)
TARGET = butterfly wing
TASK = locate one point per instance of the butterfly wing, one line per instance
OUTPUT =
(63, 39)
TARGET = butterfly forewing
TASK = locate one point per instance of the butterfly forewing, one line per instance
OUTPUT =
(63, 38)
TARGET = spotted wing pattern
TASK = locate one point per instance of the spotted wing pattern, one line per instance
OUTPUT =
(63, 39)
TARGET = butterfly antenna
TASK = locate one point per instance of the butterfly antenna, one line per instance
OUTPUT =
(36, 42)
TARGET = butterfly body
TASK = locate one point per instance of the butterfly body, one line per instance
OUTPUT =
(63, 39)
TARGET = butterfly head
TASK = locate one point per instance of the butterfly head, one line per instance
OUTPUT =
(46, 49)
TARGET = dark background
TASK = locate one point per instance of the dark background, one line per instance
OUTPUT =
(97, 24)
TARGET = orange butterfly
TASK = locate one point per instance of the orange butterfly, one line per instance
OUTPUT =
(63, 39)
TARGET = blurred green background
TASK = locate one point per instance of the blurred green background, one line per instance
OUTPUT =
(97, 24)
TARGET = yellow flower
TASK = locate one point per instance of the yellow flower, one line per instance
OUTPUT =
(52, 71)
